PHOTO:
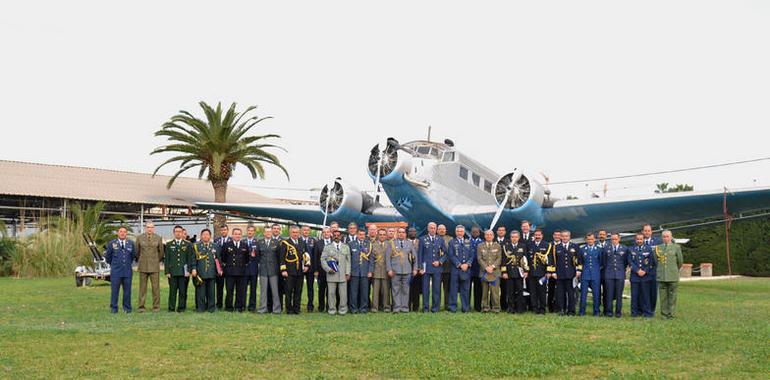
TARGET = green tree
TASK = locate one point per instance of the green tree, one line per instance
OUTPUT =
(216, 145)
(664, 188)
(90, 220)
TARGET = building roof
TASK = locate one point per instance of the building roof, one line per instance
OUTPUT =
(80, 183)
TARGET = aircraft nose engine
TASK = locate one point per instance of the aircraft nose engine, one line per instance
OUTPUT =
(512, 195)
(383, 158)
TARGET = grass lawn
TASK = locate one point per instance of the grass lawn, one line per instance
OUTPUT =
(50, 329)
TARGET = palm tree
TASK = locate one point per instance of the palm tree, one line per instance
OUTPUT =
(215, 145)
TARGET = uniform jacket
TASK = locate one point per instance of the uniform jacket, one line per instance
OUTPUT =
(590, 260)
(563, 261)
(205, 256)
(397, 258)
(538, 258)
(489, 254)
(514, 257)
(341, 256)
(318, 250)
(267, 255)
(461, 252)
(120, 258)
(378, 266)
(149, 252)
(360, 259)
(293, 261)
(474, 245)
(235, 260)
(177, 256)
(615, 262)
(252, 267)
(430, 250)
(669, 258)
(642, 257)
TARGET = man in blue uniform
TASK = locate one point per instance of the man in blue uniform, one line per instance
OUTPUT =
(251, 269)
(475, 240)
(120, 254)
(360, 272)
(590, 260)
(461, 255)
(652, 241)
(564, 267)
(615, 264)
(431, 258)
(643, 262)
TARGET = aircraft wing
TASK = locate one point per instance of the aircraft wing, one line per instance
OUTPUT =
(307, 214)
(628, 214)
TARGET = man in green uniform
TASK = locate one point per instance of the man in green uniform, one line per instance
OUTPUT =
(149, 253)
(207, 266)
(490, 256)
(178, 260)
(379, 272)
(669, 255)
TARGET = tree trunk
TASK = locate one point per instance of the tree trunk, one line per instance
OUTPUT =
(220, 196)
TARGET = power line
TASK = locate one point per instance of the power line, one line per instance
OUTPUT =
(661, 172)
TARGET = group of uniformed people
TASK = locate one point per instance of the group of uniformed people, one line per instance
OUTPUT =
(388, 270)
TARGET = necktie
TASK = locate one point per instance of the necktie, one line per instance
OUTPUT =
(122, 245)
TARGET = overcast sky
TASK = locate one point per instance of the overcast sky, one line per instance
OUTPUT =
(573, 89)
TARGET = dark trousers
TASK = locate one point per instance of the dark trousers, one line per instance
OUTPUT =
(220, 292)
(515, 294)
(446, 282)
(115, 284)
(309, 281)
(415, 289)
(431, 291)
(504, 306)
(204, 296)
(358, 298)
(235, 285)
(178, 286)
(654, 296)
(476, 284)
(464, 288)
(251, 284)
(322, 290)
(552, 305)
(537, 294)
(594, 285)
(565, 296)
(641, 298)
(293, 287)
(613, 293)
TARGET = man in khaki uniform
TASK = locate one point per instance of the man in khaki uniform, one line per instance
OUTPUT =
(489, 256)
(381, 281)
(669, 256)
(149, 253)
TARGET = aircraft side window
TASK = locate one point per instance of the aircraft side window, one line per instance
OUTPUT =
(476, 179)
(487, 186)
(463, 173)
(449, 156)
(423, 150)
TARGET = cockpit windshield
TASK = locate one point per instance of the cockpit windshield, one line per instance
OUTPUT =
(431, 150)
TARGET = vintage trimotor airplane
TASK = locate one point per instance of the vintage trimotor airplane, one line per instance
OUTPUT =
(429, 181)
